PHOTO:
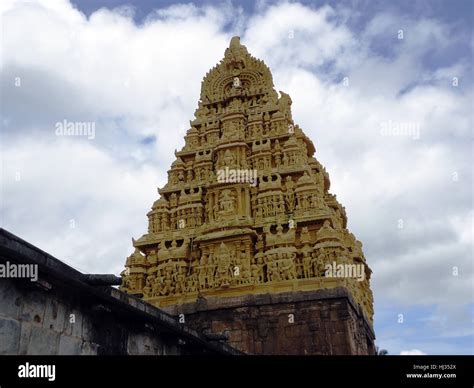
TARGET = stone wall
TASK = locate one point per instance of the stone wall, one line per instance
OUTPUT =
(61, 314)
(317, 322)
(35, 321)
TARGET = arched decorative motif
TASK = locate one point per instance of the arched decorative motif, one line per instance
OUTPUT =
(237, 62)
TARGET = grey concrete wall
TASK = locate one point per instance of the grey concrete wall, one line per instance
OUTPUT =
(38, 321)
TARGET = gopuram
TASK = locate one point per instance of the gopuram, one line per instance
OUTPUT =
(245, 242)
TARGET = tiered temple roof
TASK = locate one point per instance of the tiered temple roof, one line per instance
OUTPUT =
(247, 208)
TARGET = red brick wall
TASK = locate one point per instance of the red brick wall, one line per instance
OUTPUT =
(318, 322)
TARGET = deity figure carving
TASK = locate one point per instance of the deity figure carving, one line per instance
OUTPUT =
(223, 275)
(149, 284)
(180, 281)
(307, 265)
(318, 263)
(229, 159)
(226, 200)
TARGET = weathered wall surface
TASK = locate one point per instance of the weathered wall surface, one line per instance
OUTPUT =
(35, 321)
(318, 322)
(61, 314)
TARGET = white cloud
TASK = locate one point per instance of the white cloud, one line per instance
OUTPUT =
(289, 35)
(413, 352)
(139, 81)
(73, 200)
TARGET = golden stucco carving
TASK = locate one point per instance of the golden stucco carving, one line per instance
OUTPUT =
(247, 207)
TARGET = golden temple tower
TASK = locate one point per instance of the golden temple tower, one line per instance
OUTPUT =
(245, 241)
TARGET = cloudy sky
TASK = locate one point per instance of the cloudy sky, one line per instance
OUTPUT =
(357, 72)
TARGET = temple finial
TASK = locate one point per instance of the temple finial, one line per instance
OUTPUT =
(234, 42)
